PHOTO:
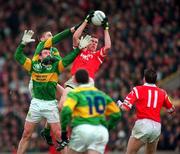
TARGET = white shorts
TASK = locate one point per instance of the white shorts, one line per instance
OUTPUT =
(72, 84)
(146, 130)
(43, 109)
(89, 137)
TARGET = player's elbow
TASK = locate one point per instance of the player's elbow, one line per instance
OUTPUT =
(75, 40)
(106, 49)
(108, 46)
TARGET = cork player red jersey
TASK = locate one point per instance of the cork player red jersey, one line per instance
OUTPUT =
(148, 99)
(88, 61)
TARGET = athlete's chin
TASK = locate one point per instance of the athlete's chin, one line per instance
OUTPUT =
(93, 49)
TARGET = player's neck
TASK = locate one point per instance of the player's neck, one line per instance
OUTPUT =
(150, 84)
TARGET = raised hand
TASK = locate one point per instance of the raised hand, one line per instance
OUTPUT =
(105, 23)
(84, 42)
(89, 16)
(27, 37)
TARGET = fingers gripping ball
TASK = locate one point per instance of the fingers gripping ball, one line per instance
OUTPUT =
(98, 18)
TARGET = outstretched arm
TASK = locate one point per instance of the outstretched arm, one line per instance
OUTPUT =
(19, 55)
(53, 40)
(107, 39)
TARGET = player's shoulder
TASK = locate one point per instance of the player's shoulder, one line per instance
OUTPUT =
(84, 88)
(104, 94)
(139, 87)
(161, 90)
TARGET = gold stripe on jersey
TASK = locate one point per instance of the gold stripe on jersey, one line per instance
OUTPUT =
(48, 43)
(27, 64)
(79, 89)
(111, 108)
(56, 53)
(83, 112)
(71, 103)
(60, 66)
(35, 57)
(45, 77)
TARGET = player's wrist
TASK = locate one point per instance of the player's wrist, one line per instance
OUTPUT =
(23, 42)
(64, 136)
(86, 20)
(106, 28)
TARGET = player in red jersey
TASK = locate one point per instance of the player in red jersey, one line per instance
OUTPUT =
(90, 58)
(148, 99)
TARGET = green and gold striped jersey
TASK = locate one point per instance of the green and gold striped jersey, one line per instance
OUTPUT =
(50, 42)
(88, 105)
(44, 77)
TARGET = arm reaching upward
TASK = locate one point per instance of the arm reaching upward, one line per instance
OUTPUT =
(80, 29)
(107, 39)
(19, 55)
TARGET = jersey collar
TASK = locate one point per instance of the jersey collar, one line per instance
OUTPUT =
(85, 85)
(150, 85)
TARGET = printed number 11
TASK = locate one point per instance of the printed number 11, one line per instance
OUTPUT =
(150, 98)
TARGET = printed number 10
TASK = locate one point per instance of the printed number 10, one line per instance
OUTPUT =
(96, 102)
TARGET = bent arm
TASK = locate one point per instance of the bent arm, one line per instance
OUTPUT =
(59, 91)
(78, 33)
(113, 112)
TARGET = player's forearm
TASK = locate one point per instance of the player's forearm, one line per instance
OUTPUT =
(78, 33)
(19, 56)
(65, 118)
(70, 57)
(59, 91)
(62, 35)
(107, 41)
(113, 120)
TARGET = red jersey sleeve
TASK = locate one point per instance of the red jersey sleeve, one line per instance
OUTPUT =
(168, 104)
(131, 98)
(100, 54)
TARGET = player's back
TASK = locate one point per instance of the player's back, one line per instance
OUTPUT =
(91, 107)
(150, 100)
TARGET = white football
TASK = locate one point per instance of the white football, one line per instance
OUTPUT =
(98, 18)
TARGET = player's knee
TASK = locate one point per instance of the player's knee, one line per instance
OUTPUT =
(27, 134)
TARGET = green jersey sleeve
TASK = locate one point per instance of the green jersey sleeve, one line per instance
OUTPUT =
(112, 112)
(68, 59)
(22, 59)
(51, 41)
(66, 113)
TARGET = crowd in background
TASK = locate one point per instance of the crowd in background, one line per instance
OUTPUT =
(144, 34)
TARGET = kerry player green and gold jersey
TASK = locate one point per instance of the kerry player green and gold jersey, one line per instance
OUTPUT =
(88, 105)
(44, 77)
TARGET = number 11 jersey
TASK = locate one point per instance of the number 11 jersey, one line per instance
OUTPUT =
(148, 99)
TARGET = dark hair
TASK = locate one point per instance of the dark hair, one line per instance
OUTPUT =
(94, 36)
(82, 76)
(150, 75)
(42, 29)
